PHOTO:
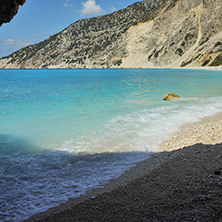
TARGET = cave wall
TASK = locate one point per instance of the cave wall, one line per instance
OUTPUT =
(8, 9)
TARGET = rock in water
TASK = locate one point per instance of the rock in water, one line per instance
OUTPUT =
(170, 96)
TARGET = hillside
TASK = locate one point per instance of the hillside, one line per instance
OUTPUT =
(147, 34)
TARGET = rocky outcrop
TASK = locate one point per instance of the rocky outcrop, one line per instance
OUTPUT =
(170, 96)
(147, 34)
(8, 9)
(189, 34)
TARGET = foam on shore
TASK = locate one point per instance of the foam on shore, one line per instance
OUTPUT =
(179, 151)
(206, 131)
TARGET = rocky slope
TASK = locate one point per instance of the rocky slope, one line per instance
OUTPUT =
(8, 9)
(147, 34)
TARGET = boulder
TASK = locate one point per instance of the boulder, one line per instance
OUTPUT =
(170, 96)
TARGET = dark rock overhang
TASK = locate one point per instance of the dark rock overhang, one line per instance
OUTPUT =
(8, 9)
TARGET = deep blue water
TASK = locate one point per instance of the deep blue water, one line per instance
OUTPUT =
(63, 132)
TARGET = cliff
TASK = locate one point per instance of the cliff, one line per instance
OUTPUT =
(147, 34)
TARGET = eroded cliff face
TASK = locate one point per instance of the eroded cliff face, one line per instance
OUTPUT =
(190, 34)
(8, 9)
(152, 33)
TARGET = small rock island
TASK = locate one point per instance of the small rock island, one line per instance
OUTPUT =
(170, 96)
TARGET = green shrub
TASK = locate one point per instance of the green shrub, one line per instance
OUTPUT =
(217, 61)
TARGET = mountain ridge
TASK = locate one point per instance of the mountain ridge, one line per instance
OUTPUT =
(147, 34)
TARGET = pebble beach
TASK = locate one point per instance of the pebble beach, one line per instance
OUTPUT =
(182, 182)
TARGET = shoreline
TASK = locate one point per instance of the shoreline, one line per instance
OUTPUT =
(203, 131)
(216, 68)
(186, 173)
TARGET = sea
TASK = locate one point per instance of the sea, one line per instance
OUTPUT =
(65, 132)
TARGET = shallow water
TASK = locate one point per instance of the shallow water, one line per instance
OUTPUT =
(63, 132)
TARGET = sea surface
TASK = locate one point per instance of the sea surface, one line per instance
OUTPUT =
(63, 132)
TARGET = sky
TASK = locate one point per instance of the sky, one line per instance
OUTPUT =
(36, 20)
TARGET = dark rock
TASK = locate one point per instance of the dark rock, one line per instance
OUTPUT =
(8, 9)
(217, 172)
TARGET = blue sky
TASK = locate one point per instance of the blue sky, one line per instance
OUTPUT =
(38, 19)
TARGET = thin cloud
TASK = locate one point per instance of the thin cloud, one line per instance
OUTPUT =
(90, 8)
(67, 4)
(34, 36)
(112, 9)
(18, 42)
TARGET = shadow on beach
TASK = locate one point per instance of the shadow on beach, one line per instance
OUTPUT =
(181, 185)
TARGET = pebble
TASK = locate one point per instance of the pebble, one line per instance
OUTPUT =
(206, 132)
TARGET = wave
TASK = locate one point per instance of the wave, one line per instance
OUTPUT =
(34, 182)
(143, 130)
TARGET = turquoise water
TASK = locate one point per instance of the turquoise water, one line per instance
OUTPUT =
(63, 132)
